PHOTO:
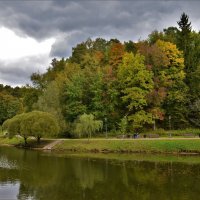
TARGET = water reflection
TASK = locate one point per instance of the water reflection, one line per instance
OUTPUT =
(5, 163)
(38, 176)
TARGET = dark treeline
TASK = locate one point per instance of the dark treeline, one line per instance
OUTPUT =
(131, 85)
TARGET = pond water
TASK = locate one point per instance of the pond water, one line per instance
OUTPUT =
(26, 174)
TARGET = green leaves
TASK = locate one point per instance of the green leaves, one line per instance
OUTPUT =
(73, 98)
(135, 83)
(86, 125)
(36, 123)
(184, 34)
(173, 76)
(9, 107)
(140, 118)
(123, 125)
(133, 72)
(144, 80)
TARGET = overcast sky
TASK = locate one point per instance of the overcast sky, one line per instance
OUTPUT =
(34, 32)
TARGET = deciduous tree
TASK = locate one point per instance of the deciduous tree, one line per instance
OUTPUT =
(136, 83)
(87, 125)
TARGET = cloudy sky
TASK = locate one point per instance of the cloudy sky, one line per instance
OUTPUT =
(34, 32)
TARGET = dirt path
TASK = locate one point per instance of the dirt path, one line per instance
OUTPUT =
(51, 145)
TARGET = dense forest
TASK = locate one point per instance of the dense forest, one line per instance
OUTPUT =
(128, 85)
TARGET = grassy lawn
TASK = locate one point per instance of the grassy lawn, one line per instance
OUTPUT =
(19, 142)
(12, 141)
(120, 145)
(161, 145)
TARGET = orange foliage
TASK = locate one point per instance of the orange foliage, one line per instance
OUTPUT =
(116, 53)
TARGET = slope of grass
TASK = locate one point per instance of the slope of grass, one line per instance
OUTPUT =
(144, 145)
(11, 141)
(19, 142)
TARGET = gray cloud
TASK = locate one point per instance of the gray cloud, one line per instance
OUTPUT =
(41, 19)
(71, 22)
(19, 71)
(63, 44)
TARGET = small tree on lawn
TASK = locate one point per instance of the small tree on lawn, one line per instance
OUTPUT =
(13, 126)
(123, 125)
(26, 126)
(44, 124)
(86, 125)
(36, 123)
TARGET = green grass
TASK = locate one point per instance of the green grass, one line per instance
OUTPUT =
(11, 141)
(139, 146)
(162, 145)
(19, 142)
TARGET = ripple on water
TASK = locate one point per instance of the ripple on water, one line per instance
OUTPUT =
(7, 164)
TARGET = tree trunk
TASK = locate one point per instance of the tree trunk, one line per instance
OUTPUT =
(25, 141)
(38, 139)
(154, 125)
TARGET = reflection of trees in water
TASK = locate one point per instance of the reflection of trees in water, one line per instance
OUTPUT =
(47, 177)
(8, 175)
(26, 192)
(124, 174)
(87, 173)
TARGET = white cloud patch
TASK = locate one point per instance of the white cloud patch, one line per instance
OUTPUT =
(18, 71)
(14, 47)
(21, 56)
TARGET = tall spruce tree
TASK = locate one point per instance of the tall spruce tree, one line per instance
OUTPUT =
(184, 38)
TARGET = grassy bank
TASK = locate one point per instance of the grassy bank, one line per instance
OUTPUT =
(19, 142)
(162, 145)
(11, 141)
(128, 146)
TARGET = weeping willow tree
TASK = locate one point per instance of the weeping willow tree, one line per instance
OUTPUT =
(87, 125)
(36, 123)
(13, 126)
(123, 125)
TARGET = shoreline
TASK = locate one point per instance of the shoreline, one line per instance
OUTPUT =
(181, 146)
(122, 152)
(168, 146)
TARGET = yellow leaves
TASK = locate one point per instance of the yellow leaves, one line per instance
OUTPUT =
(173, 72)
(174, 56)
